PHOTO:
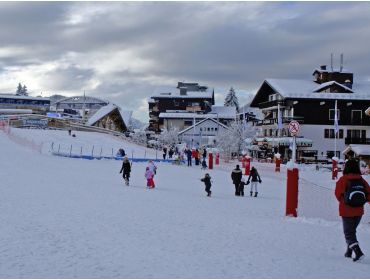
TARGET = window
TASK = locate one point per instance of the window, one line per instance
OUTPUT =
(215, 128)
(331, 114)
(188, 122)
(329, 133)
(356, 117)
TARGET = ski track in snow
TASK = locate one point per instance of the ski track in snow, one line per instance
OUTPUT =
(74, 218)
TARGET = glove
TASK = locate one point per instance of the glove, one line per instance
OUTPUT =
(260, 181)
(247, 182)
(120, 172)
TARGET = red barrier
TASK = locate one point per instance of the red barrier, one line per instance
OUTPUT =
(210, 160)
(217, 158)
(292, 192)
(243, 161)
(247, 165)
(277, 164)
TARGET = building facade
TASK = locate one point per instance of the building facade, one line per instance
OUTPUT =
(312, 104)
(185, 98)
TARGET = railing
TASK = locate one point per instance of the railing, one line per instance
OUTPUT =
(284, 120)
(364, 141)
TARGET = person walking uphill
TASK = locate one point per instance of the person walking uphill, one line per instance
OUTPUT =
(255, 179)
(126, 169)
(236, 176)
(352, 192)
(207, 182)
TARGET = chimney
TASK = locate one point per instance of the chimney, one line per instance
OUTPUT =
(331, 62)
(183, 90)
(323, 67)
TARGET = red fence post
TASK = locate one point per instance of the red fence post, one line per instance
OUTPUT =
(247, 165)
(292, 192)
(210, 160)
(217, 158)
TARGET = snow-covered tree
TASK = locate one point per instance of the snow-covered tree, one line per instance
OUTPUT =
(232, 141)
(139, 137)
(24, 90)
(19, 89)
(169, 137)
(231, 99)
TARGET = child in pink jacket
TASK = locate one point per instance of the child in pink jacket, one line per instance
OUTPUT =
(149, 178)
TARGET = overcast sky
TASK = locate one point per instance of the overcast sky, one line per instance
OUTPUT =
(121, 51)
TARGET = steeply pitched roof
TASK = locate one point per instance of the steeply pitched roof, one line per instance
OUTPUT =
(291, 88)
(202, 121)
(103, 111)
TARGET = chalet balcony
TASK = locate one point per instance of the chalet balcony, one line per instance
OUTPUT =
(268, 104)
(285, 120)
(363, 141)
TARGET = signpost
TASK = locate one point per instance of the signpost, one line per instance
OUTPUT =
(294, 130)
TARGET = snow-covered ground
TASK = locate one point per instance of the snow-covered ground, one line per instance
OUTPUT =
(74, 218)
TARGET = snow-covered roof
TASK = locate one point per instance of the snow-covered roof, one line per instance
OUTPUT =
(174, 92)
(324, 85)
(359, 150)
(13, 96)
(291, 88)
(82, 99)
(103, 111)
(332, 71)
(202, 121)
(176, 115)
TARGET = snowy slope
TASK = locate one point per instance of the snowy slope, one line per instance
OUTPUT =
(85, 141)
(73, 218)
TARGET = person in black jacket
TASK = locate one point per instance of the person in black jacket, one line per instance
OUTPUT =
(255, 179)
(207, 183)
(236, 176)
(126, 169)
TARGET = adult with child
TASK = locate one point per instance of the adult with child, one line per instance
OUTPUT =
(352, 192)
(126, 170)
(236, 176)
(255, 180)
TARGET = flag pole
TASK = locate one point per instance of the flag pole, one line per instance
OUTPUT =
(336, 130)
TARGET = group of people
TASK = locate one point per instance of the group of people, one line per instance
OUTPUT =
(352, 192)
(238, 181)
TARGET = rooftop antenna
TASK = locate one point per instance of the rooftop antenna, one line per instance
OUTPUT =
(341, 62)
(331, 61)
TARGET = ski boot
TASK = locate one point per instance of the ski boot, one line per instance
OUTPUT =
(251, 193)
(358, 253)
(255, 194)
(348, 253)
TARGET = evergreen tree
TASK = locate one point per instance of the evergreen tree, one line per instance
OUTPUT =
(19, 89)
(24, 90)
(231, 99)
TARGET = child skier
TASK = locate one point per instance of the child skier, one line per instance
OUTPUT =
(255, 179)
(149, 175)
(204, 164)
(126, 169)
(207, 183)
(241, 187)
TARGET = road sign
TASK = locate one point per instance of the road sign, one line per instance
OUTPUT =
(294, 128)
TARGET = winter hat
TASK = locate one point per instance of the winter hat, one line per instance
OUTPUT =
(237, 166)
(147, 168)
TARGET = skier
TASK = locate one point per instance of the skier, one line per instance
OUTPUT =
(236, 176)
(152, 167)
(207, 182)
(204, 164)
(149, 175)
(164, 152)
(204, 153)
(349, 189)
(126, 169)
(170, 152)
(196, 156)
(241, 187)
(188, 154)
(255, 179)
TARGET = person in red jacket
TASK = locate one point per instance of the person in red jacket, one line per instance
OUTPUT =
(351, 216)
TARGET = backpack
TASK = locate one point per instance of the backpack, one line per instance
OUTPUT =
(355, 194)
